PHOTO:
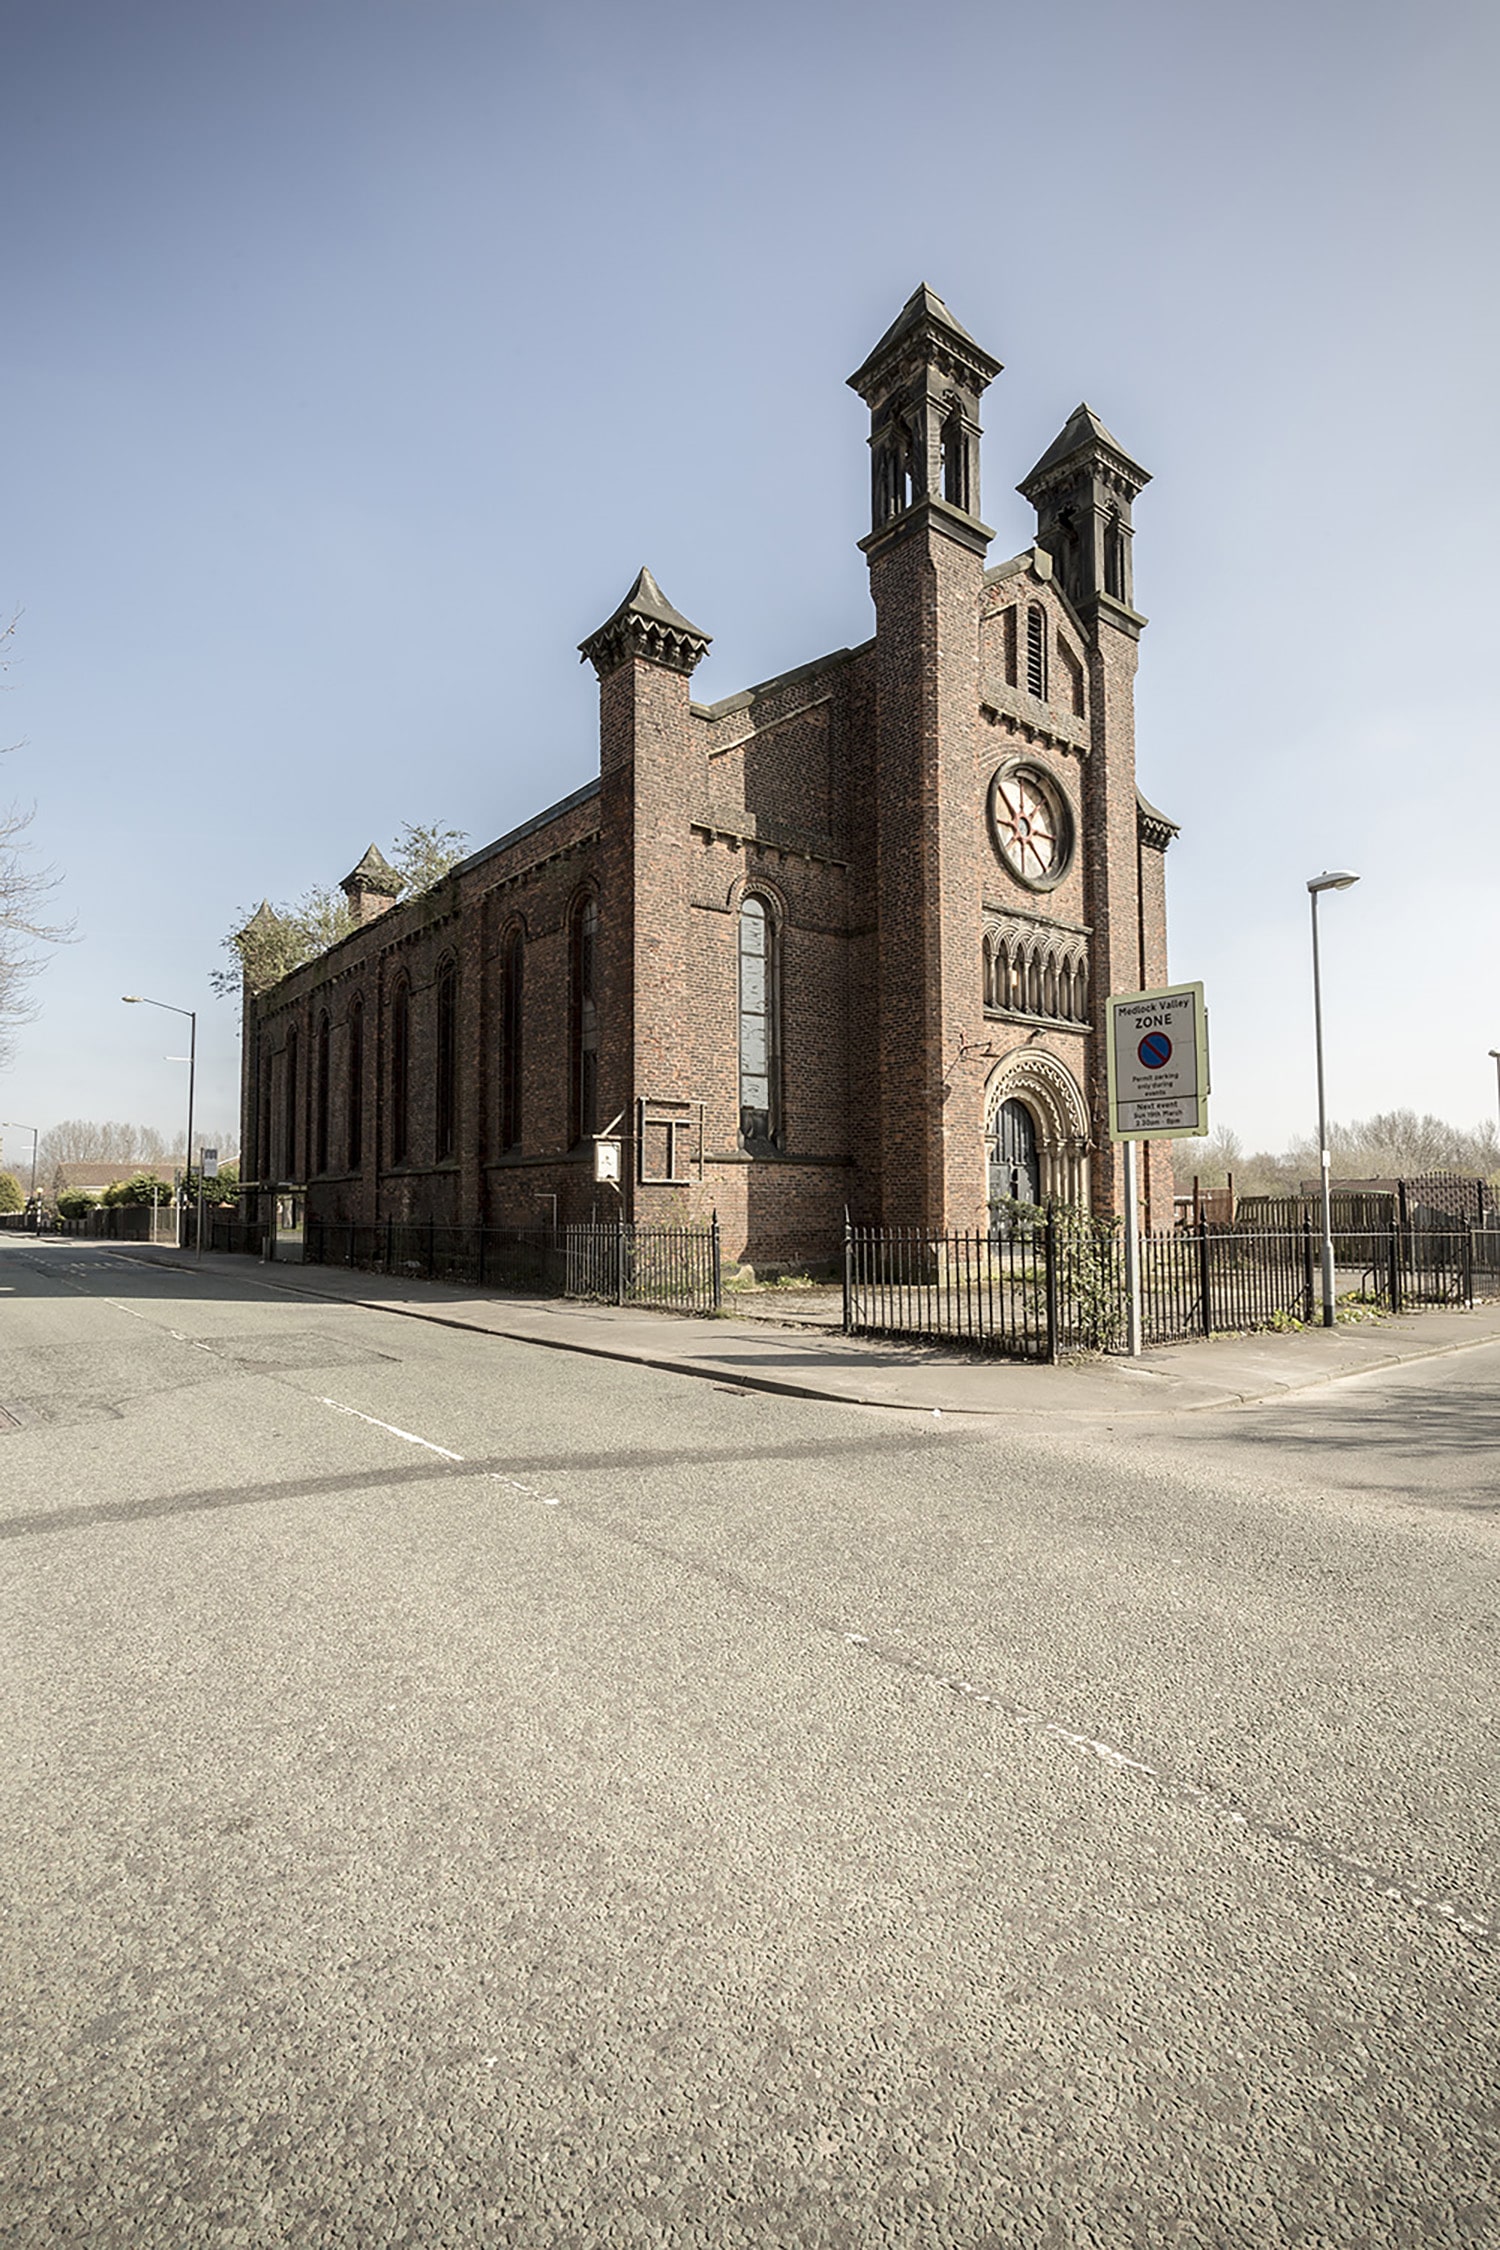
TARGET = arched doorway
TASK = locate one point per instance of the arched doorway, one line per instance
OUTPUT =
(1015, 1171)
(1036, 1133)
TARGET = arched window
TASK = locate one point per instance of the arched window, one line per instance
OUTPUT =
(445, 1093)
(355, 1113)
(957, 477)
(510, 1040)
(989, 970)
(760, 1042)
(1081, 992)
(289, 1108)
(1036, 652)
(585, 967)
(263, 1120)
(1049, 986)
(400, 1059)
(320, 1098)
(1114, 559)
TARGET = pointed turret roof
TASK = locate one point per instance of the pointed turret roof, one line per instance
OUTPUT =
(374, 873)
(1083, 432)
(925, 315)
(262, 919)
(646, 624)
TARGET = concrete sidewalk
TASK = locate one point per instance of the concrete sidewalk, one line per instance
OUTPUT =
(806, 1363)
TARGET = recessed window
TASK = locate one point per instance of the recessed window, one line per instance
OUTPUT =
(760, 1105)
(289, 1109)
(510, 1040)
(400, 1071)
(1036, 652)
(320, 1112)
(445, 1106)
(356, 1084)
(585, 1074)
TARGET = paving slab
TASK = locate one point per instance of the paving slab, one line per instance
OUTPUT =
(811, 1362)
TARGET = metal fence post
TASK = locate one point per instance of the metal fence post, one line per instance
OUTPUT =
(1394, 1259)
(620, 1259)
(718, 1282)
(1050, 1240)
(1307, 1272)
(1205, 1275)
(848, 1259)
(1469, 1265)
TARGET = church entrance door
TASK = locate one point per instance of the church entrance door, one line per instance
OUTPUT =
(1015, 1172)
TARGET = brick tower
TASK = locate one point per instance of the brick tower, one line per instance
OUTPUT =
(649, 756)
(926, 549)
(1082, 489)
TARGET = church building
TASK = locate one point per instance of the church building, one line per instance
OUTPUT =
(839, 942)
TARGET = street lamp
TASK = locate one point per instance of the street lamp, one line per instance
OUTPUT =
(1340, 880)
(139, 1000)
(12, 1125)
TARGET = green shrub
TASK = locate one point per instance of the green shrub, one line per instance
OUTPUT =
(11, 1198)
(143, 1188)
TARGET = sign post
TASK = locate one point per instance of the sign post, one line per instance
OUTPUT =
(1157, 1053)
(208, 1169)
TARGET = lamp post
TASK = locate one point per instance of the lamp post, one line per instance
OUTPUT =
(1340, 880)
(139, 1000)
(12, 1125)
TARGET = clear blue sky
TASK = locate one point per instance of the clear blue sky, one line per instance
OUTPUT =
(359, 353)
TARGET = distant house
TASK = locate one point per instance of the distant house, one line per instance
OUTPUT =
(95, 1178)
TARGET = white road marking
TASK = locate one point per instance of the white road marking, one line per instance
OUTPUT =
(390, 1428)
(1208, 1800)
(492, 1476)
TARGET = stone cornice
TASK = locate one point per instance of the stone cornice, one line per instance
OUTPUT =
(645, 625)
(930, 514)
(1038, 721)
(818, 850)
(1153, 827)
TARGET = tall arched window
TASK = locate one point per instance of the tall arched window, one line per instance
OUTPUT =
(1114, 559)
(400, 1025)
(263, 1120)
(585, 967)
(1036, 652)
(445, 1103)
(289, 1108)
(355, 1114)
(320, 1098)
(760, 1041)
(510, 1040)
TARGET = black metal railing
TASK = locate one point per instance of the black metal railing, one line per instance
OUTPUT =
(989, 1291)
(618, 1264)
(1037, 1288)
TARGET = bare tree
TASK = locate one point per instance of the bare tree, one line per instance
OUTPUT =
(269, 943)
(24, 891)
(88, 1140)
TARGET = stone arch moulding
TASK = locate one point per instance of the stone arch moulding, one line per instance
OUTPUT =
(1051, 1093)
(751, 879)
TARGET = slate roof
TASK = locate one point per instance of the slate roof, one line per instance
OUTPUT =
(1083, 428)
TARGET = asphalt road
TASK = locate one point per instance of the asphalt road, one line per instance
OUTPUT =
(457, 1793)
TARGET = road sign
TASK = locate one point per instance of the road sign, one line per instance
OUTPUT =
(1158, 1064)
(210, 1164)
